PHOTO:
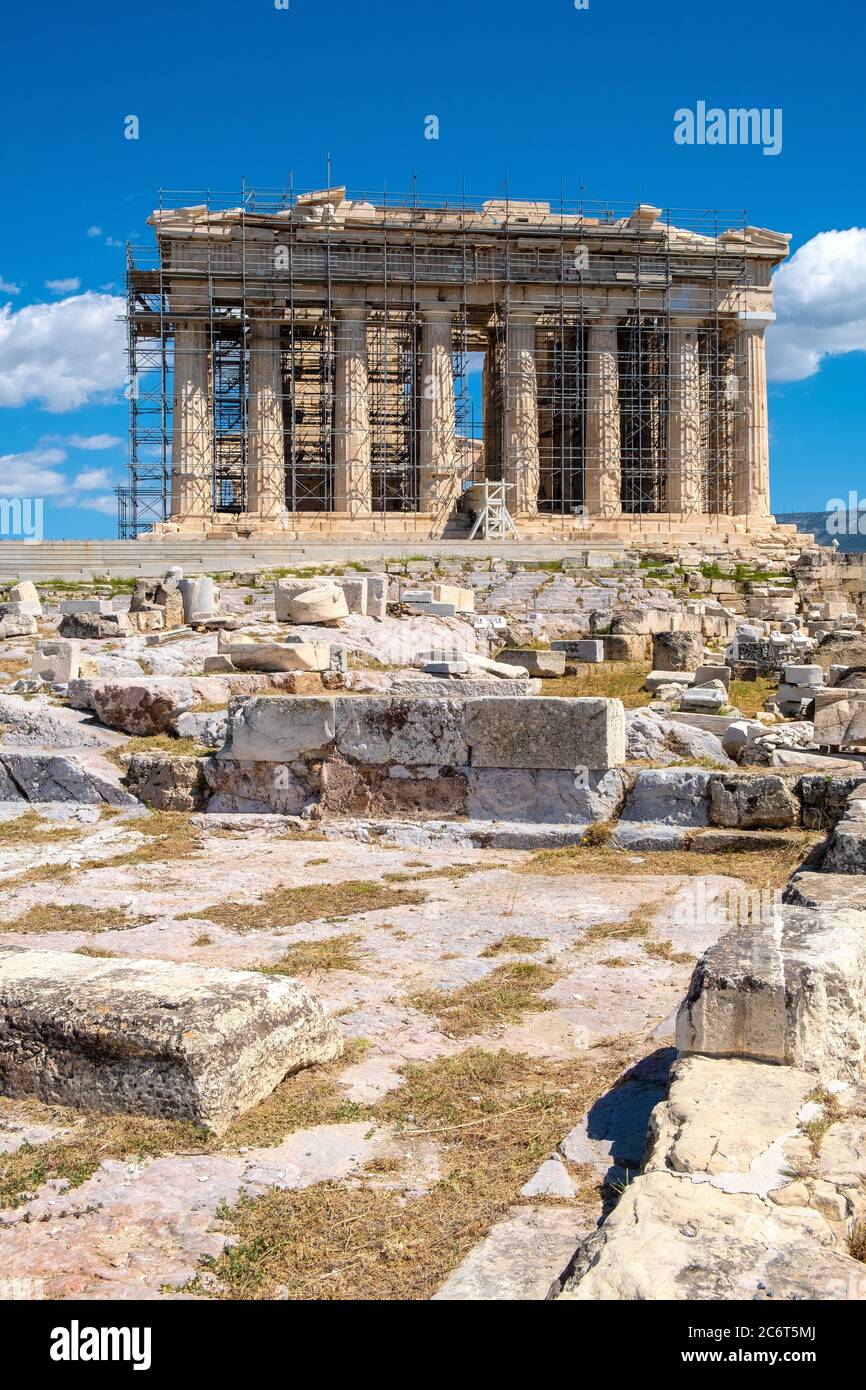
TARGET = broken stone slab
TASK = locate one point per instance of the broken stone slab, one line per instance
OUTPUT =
(505, 670)
(411, 733)
(54, 661)
(705, 674)
(789, 989)
(519, 1258)
(279, 729)
(276, 656)
(92, 627)
(704, 699)
(810, 889)
(669, 796)
(199, 598)
(753, 803)
(546, 732)
(839, 719)
(846, 850)
(151, 1037)
(42, 776)
(147, 706)
(677, 651)
(324, 605)
(537, 663)
(717, 1214)
(590, 649)
(646, 837)
(86, 605)
(167, 783)
(25, 592)
(18, 625)
(508, 794)
(656, 679)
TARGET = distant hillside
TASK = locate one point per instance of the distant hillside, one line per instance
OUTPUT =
(816, 522)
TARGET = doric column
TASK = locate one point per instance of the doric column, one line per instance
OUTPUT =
(684, 452)
(602, 487)
(353, 492)
(266, 471)
(438, 480)
(521, 465)
(751, 420)
(192, 423)
(550, 462)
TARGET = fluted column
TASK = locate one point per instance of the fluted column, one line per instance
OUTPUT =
(266, 470)
(751, 428)
(352, 473)
(684, 451)
(521, 464)
(192, 424)
(602, 486)
(438, 480)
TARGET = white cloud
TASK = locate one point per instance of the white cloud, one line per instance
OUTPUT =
(106, 504)
(6, 287)
(91, 479)
(67, 286)
(36, 473)
(820, 302)
(112, 241)
(84, 441)
(94, 231)
(62, 355)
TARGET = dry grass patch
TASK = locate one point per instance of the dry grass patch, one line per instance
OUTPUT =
(857, 1241)
(451, 871)
(309, 957)
(29, 828)
(168, 835)
(751, 696)
(619, 680)
(284, 907)
(503, 996)
(47, 917)
(158, 743)
(639, 923)
(514, 942)
(664, 950)
(760, 868)
(500, 1115)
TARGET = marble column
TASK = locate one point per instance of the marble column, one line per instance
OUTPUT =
(438, 479)
(751, 421)
(521, 463)
(192, 424)
(602, 495)
(266, 469)
(353, 491)
(684, 449)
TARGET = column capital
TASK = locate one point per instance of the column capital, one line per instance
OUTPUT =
(519, 313)
(753, 320)
(350, 311)
(438, 313)
(687, 322)
(603, 321)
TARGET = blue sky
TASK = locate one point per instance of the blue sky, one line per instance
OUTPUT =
(555, 94)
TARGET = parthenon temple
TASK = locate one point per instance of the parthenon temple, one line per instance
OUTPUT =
(322, 364)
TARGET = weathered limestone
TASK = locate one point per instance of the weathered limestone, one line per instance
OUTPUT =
(438, 480)
(602, 465)
(199, 598)
(326, 604)
(280, 729)
(266, 482)
(410, 733)
(151, 1037)
(521, 465)
(684, 462)
(669, 796)
(167, 783)
(148, 706)
(753, 803)
(534, 662)
(788, 989)
(751, 422)
(546, 732)
(840, 718)
(718, 1214)
(677, 651)
(56, 661)
(192, 437)
(352, 477)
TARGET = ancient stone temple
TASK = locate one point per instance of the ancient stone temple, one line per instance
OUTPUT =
(323, 364)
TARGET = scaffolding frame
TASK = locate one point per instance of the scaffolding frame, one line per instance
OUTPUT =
(393, 258)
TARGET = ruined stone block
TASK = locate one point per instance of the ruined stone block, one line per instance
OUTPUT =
(789, 988)
(546, 732)
(279, 729)
(151, 1037)
(412, 733)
